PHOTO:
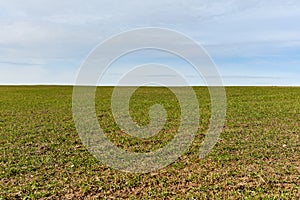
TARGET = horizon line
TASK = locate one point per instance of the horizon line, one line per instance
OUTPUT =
(108, 85)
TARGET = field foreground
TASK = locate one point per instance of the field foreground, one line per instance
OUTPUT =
(257, 156)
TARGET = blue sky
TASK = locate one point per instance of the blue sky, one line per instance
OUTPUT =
(252, 42)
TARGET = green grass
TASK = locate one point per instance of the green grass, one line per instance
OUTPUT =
(257, 156)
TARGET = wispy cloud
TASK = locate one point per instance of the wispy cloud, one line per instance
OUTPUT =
(19, 63)
(244, 38)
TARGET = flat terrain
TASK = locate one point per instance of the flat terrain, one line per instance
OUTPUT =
(257, 156)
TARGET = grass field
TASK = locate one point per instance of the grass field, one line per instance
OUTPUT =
(257, 156)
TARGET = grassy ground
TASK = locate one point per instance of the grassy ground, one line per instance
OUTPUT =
(257, 156)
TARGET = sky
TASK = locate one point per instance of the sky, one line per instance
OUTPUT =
(251, 42)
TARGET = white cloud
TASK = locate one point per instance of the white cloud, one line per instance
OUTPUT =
(20, 73)
(27, 33)
(51, 32)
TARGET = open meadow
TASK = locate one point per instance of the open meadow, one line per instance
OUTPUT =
(257, 155)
